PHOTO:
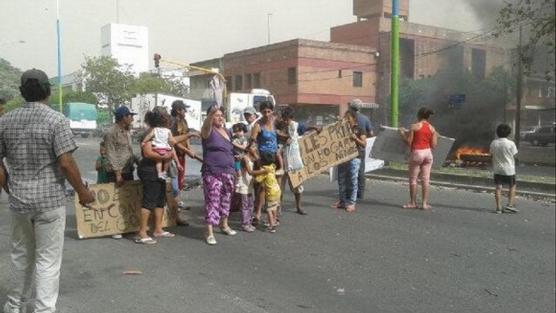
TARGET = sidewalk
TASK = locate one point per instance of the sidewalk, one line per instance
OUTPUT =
(538, 182)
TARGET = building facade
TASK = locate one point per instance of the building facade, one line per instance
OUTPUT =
(129, 44)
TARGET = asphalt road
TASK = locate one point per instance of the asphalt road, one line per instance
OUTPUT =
(459, 258)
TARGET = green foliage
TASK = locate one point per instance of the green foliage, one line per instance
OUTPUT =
(71, 96)
(103, 117)
(14, 103)
(538, 19)
(111, 82)
(152, 83)
(474, 123)
(9, 80)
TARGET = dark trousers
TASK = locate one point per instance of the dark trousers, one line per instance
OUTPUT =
(361, 179)
(111, 176)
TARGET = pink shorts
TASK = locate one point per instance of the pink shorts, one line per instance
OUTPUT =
(420, 162)
(162, 151)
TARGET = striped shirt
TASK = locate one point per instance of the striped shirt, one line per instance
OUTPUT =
(31, 140)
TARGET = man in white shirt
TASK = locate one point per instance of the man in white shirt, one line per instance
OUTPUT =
(503, 152)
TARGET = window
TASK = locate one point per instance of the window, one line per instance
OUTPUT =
(238, 82)
(357, 79)
(292, 76)
(248, 81)
(228, 83)
(257, 80)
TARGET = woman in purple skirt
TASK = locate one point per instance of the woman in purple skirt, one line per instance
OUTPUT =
(218, 173)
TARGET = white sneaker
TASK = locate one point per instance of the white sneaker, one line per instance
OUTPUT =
(211, 240)
(118, 236)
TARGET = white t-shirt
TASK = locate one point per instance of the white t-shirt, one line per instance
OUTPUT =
(244, 183)
(161, 138)
(503, 151)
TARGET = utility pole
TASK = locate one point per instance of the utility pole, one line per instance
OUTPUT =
(268, 15)
(58, 41)
(395, 63)
(519, 88)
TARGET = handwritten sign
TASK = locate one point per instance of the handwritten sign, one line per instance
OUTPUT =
(321, 151)
(371, 164)
(117, 210)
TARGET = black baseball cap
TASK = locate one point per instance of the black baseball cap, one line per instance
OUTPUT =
(179, 104)
(34, 74)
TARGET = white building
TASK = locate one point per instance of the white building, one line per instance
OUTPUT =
(129, 44)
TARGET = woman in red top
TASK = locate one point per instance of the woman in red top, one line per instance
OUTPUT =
(422, 138)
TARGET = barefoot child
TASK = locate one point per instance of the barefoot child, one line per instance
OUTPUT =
(102, 165)
(160, 136)
(503, 152)
(266, 176)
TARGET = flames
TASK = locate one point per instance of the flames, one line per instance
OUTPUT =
(466, 150)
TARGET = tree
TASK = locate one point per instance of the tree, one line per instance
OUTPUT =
(71, 96)
(109, 81)
(9, 80)
(538, 20)
(152, 83)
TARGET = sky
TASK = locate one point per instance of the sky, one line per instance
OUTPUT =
(187, 30)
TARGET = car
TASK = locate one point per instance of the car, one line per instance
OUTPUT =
(527, 130)
(542, 136)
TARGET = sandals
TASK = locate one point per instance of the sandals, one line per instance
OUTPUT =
(350, 208)
(211, 241)
(301, 212)
(228, 231)
(409, 206)
(271, 229)
(145, 241)
(164, 234)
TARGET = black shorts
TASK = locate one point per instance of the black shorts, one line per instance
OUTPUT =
(154, 194)
(500, 180)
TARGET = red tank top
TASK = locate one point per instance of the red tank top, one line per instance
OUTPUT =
(422, 138)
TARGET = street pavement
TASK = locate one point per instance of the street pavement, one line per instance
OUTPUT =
(461, 257)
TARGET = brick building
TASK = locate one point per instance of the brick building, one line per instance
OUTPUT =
(316, 76)
(424, 50)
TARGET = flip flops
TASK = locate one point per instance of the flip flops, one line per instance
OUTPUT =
(409, 206)
(165, 234)
(145, 241)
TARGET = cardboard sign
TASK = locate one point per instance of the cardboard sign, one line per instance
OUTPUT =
(117, 210)
(371, 164)
(389, 146)
(321, 151)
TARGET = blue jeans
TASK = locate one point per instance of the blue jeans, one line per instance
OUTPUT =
(348, 174)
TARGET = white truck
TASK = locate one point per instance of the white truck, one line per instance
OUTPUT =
(143, 103)
(238, 101)
(82, 118)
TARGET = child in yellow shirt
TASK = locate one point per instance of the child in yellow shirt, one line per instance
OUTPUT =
(266, 176)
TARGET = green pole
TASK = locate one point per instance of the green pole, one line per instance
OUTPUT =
(395, 64)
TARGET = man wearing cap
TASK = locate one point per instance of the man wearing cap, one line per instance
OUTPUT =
(250, 116)
(37, 145)
(365, 124)
(118, 147)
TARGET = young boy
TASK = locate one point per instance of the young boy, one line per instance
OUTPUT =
(503, 153)
(266, 176)
(102, 166)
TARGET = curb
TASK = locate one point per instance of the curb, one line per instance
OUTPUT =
(524, 193)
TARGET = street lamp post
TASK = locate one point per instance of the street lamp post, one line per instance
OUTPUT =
(395, 63)
(268, 15)
(59, 54)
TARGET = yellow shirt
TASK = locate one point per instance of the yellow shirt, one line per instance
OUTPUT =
(270, 183)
